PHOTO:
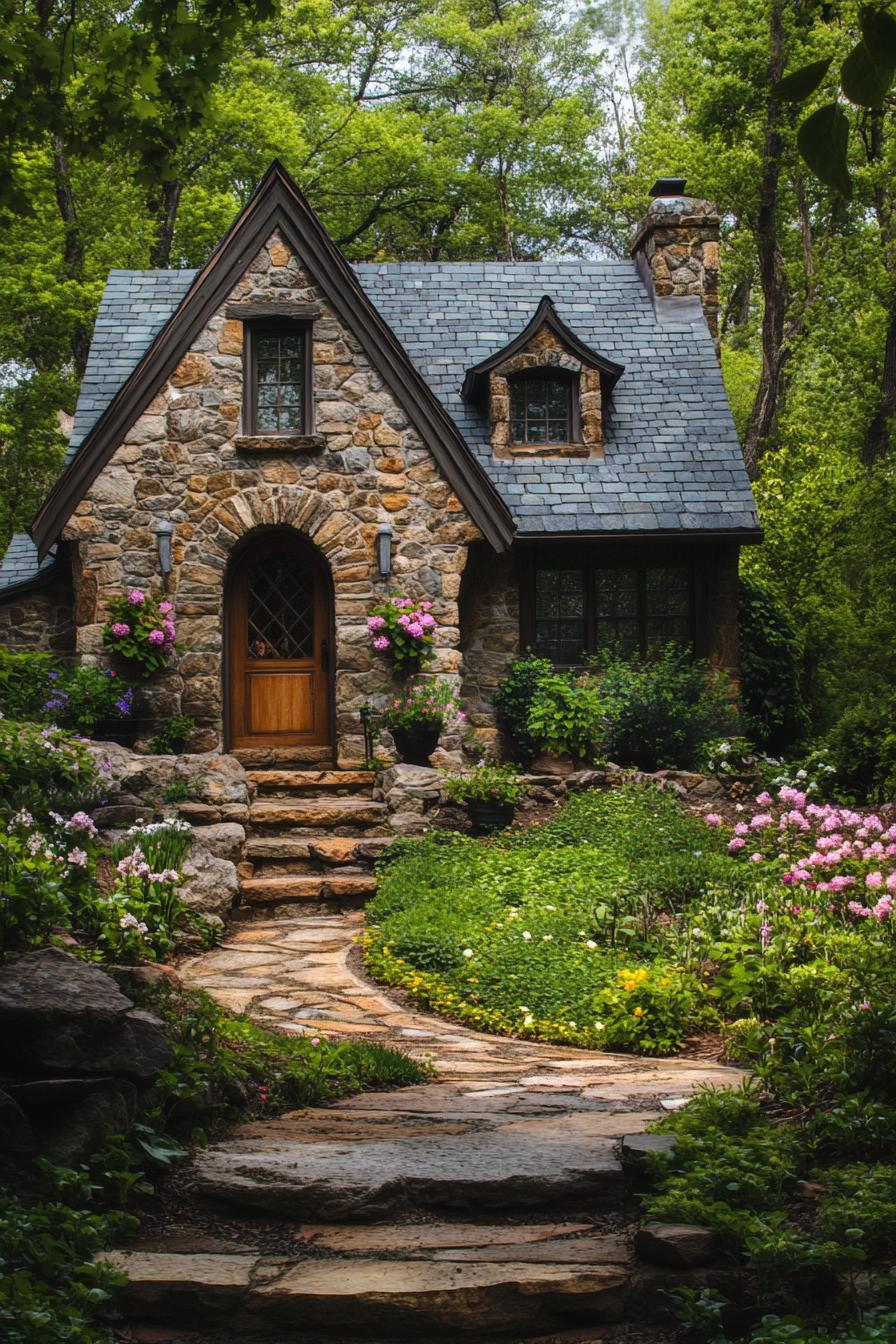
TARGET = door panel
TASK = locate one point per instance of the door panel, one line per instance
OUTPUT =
(278, 624)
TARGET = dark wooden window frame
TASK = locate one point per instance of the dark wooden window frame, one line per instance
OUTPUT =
(282, 326)
(548, 373)
(589, 559)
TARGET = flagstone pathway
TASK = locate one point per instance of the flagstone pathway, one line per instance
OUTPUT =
(490, 1203)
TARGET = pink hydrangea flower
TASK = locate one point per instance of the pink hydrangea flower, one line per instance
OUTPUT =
(415, 630)
(713, 819)
(156, 637)
(119, 629)
(736, 844)
(165, 607)
(764, 798)
(135, 597)
(874, 880)
(381, 643)
(756, 858)
(375, 623)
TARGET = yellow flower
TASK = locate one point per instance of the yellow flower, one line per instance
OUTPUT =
(639, 1012)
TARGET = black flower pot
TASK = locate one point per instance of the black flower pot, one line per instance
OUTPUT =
(416, 745)
(122, 731)
(488, 815)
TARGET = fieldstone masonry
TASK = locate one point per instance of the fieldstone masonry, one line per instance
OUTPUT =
(678, 240)
(186, 459)
(545, 351)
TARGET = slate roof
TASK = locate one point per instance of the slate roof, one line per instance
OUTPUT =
(672, 463)
(20, 563)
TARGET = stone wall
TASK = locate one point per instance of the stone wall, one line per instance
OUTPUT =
(490, 634)
(40, 617)
(187, 459)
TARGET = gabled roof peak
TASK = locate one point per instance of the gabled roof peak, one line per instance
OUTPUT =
(546, 316)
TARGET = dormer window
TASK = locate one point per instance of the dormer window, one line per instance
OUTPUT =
(544, 391)
(279, 379)
(541, 409)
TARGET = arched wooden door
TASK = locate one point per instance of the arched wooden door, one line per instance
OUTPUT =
(278, 645)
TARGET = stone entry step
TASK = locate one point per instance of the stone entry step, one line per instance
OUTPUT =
(287, 782)
(376, 1166)
(344, 1298)
(306, 814)
(331, 852)
(307, 887)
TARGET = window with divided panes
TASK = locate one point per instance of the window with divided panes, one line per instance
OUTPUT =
(583, 609)
(541, 409)
(280, 610)
(279, 391)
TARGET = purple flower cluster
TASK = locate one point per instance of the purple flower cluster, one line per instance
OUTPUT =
(404, 629)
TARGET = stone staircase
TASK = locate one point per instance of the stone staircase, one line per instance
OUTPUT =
(313, 836)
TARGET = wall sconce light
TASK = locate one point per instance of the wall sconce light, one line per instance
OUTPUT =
(164, 531)
(384, 550)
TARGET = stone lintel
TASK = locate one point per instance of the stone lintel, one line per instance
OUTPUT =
(261, 308)
(284, 444)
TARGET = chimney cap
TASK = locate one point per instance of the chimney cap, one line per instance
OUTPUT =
(667, 186)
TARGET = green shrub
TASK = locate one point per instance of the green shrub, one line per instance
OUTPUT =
(771, 657)
(173, 736)
(660, 710)
(43, 769)
(52, 1289)
(25, 684)
(513, 701)
(83, 697)
(862, 749)
(565, 717)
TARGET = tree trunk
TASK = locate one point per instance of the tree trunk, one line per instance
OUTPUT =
(163, 208)
(881, 431)
(72, 247)
(766, 408)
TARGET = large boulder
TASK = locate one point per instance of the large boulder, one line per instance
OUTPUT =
(135, 783)
(210, 884)
(61, 1014)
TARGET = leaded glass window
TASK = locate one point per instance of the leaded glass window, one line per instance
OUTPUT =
(280, 610)
(279, 372)
(541, 410)
(587, 608)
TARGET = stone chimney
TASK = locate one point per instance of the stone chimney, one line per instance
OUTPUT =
(676, 250)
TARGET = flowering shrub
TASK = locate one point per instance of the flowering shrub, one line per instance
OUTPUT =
(424, 704)
(140, 629)
(140, 916)
(727, 756)
(82, 698)
(489, 782)
(46, 874)
(846, 856)
(403, 630)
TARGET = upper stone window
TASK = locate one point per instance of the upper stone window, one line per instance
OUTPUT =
(278, 380)
(541, 409)
(545, 391)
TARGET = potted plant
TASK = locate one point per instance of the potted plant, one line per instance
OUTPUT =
(566, 723)
(402, 630)
(416, 717)
(491, 791)
(141, 630)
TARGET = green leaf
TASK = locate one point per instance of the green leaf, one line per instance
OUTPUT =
(797, 86)
(879, 35)
(863, 80)
(822, 140)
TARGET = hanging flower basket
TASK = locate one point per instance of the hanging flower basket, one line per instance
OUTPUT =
(402, 630)
(141, 630)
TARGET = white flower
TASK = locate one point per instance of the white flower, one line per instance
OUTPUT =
(591, 943)
(468, 951)
(528, 1020)
(526, 934)
(547, 937)
(599, 1026)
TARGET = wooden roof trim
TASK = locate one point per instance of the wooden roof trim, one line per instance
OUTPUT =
(476, 382)
(277, 203)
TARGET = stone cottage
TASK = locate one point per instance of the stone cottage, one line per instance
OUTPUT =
(543, 449)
